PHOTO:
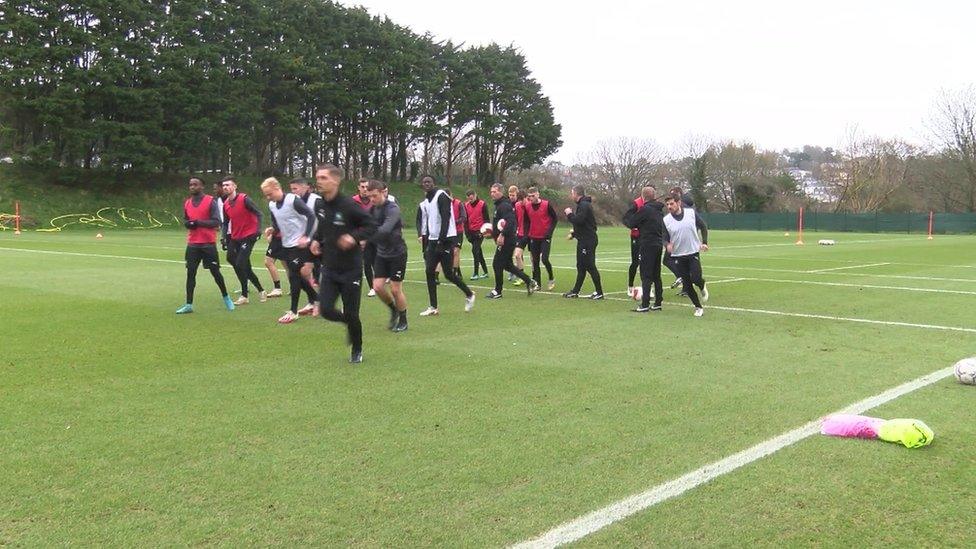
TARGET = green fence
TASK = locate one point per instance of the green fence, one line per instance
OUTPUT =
(844, 222)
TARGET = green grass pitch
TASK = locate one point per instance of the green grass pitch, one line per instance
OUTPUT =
(124, 424)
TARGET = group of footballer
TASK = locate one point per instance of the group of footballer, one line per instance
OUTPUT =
(328, 242)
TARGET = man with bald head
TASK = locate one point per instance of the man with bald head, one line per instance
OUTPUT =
(649, 222)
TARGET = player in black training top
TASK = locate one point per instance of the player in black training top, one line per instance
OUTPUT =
(649, 221)
(342, 225)
(390, 264)
(584, 231)
(505, 231)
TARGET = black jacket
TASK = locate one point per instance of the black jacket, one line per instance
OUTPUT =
(649, 220)
(504, 210)
(338, 217)
(389, 231)
(584, 222)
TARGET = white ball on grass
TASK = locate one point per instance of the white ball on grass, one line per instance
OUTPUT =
(965, 371)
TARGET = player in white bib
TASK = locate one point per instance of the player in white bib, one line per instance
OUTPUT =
(295, 221)
(440, 228)
(301, 188)
(681, 240)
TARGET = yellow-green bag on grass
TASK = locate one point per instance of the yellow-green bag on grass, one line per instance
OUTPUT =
(913, 433)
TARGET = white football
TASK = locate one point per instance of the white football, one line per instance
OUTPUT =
(965, 371)
(486, 228)
(637, 293)
(826, 242)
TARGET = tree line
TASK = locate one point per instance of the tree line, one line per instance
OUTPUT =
(261, 87)
(864, 174)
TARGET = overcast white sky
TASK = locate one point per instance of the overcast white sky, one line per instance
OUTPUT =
(778, 74)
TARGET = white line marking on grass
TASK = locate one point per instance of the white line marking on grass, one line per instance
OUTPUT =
(601, 252)
(766, 311)
(718, 255)
(847, 285)
(710, 281)
(111, 244)
(794, 271)
(107, 256)
(587, 524)
(848, 267)
(843, 318)
(601, 269)
(723, 280)
(735, 309)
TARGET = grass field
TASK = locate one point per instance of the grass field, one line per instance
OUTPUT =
(124, 424)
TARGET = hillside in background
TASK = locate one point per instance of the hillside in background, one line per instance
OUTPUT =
(77, 206)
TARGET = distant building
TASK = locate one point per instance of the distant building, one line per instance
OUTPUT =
(811, 186)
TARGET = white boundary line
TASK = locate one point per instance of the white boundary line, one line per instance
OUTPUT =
(847, 285)
(760, 311)
(724, 280)
(848, 267)
(79, 254)
(794, 271)
(843, 318)
(712, 266)
(587, 524)
(719, 308)
(718, 255)
(719, 281)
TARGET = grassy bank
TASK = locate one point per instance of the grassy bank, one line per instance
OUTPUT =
(144, 201)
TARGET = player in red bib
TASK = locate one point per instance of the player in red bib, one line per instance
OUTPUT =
(476, 211)
(540, 222)
(242, 222)
(201, 218)
(517, 197)
(635, 207)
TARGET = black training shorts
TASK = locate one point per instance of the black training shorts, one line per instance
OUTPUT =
(297, 256)
(206, 254)
(394, 268)
(276, 250)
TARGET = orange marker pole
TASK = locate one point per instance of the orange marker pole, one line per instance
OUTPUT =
(799, 241)
(931, 219)
(17, 218)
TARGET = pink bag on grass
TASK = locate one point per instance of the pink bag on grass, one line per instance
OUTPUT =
(853, 426)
